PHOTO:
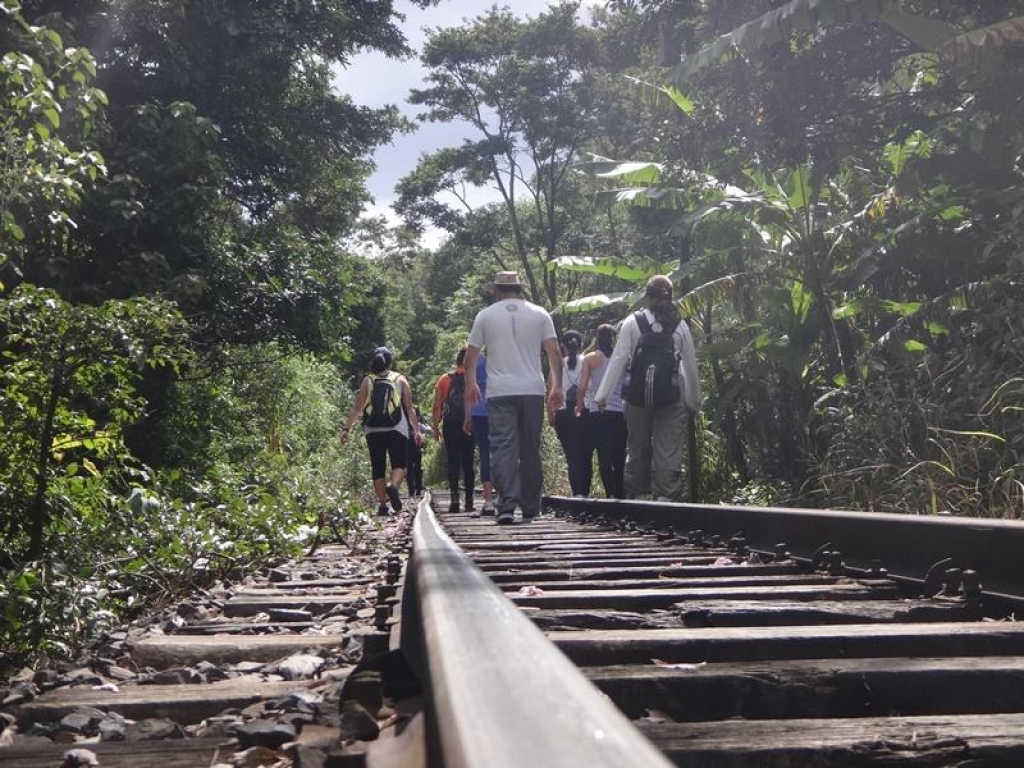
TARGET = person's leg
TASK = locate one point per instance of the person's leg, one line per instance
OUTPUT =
(668, 448)
(452, 434)
(584, 453)
(639, 422)
(419, 471)
(618, 436)
(481, 433)
(410, 475)
(504, 438)
(468, 468)
(397, 454)
(531, 422)
(376, 446)
(564, 432)
(600, 427)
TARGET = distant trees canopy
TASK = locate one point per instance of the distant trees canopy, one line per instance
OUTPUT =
(232, 164)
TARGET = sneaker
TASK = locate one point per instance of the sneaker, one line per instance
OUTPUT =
(473, 513)
(505, 518)
(528, 518)
(453, 507)
(396, 500)
(382, 510)
(488, 510)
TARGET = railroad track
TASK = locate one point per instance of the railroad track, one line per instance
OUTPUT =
(727, 637)
(601, 634)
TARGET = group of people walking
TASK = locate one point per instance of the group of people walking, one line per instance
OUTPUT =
(627, 400)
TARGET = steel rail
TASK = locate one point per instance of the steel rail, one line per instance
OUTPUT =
(501, 694)
(907, 546)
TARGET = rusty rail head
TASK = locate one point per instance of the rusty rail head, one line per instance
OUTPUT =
(906, 545)
(502, 695)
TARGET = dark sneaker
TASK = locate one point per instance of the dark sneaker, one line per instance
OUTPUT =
(382, 510)
(488, 510)
(453, 507)
(396, 500)
(505, 518)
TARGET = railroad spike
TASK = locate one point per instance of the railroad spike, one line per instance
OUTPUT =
(952, 579)
(933, 579)
(819, 556)
(836, 566)
(781, 553)
(971, 585)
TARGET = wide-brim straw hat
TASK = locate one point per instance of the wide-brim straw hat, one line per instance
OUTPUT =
(506, 280)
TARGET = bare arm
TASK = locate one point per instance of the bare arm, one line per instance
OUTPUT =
(436, 411)
(556, 397)
(357, 408)
(472, 391)
(581, 388)
(410, 412)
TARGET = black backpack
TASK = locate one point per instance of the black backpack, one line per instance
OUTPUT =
(384, 408)
(653, 376)
(454, 408)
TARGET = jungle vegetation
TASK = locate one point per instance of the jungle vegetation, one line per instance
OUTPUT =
(188, 292)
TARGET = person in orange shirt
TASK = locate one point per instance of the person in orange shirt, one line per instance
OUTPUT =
(449, 412)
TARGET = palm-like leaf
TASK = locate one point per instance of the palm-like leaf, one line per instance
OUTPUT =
(661, 95)
(597, 301)
(779, 24)
(608, 267)
(712, 292)
(979, 42)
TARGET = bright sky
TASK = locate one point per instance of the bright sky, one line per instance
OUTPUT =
(375, 80)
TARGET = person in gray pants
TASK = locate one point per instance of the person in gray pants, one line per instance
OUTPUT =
(660, 392)
(514, 332)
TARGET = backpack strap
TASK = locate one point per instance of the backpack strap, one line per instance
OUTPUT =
(641, 321)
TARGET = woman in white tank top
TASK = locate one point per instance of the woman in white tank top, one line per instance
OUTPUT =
(571, 431)
(606, 429)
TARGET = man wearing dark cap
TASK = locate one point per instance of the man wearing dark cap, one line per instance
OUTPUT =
(515, 332)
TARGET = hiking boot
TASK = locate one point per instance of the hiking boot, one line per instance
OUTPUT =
(382, 510)
(396, 500)
(453, 507)
(505, 518)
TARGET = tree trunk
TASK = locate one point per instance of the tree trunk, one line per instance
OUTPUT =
(37, 510)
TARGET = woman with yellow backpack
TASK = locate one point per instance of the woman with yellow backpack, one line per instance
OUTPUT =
(389, 419)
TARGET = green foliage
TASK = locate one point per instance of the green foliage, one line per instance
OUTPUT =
(143, 455)
(48, 109)
(526, 88)
(68, 389)
(264, 477)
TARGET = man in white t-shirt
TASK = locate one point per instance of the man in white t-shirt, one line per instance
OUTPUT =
(514, 331)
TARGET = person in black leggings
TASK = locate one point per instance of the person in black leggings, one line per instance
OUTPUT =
(449, 411)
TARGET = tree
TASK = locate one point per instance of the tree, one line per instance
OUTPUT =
(526, 88)
(48, 112)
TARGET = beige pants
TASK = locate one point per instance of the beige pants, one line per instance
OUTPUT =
(655, 449)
